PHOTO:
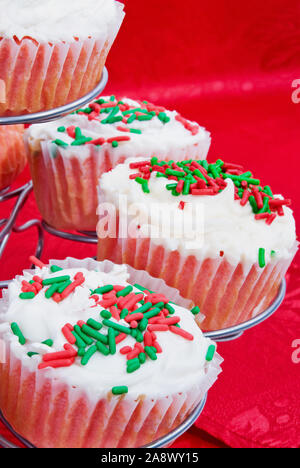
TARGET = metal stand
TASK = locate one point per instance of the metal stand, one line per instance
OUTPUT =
(165, 441)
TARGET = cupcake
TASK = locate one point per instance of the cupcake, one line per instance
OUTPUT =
(94, 359)
(12, 154)
(213, 231)
(53, 52)
(68, 156)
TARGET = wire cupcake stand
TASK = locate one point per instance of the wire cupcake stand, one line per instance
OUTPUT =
(9, 225)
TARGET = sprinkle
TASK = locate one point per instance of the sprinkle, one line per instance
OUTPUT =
(180, 332)
(50, 291)
(125, 291)
(59, 142)
(56, 364)
(105, 314)
(27, 295)
(68, 335)
(121, 337)
(119, 390)
(195, 310)
(116, 326)
(48, 343)
(151, 353)
(94, 324)
(82, 335)
(31, 353)
(88, 354)
(262, 257)
(102, 348)
(210, 353)
(94, 334)
(104, 289)
(57, 279)
(61, 129)
(16, 331)
(111, 341)
(55, 269)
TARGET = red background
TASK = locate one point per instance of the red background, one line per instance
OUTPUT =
(230, 66)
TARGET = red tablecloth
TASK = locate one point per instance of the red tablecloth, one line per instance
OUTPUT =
(230, 66)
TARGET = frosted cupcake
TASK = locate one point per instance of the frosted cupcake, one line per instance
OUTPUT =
(12, 154)
(68, 156)
(95, 361)
(53, 52)
(213, 231)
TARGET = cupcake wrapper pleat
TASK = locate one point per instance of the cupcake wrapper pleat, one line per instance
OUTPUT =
(12, 154)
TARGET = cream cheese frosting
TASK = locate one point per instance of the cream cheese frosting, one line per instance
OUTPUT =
(166, 134)
(181, 365)
(53, 20)
(223, 227)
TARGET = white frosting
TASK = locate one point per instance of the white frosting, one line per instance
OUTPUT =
(165, 140)
(54, 20)
(227, 226)
(181, 365)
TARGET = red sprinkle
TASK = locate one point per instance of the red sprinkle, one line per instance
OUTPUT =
(120, 337)
(125, 350)
(68, 335)
(180, 332)
(58, 363)
(158, 327)
(36, 261)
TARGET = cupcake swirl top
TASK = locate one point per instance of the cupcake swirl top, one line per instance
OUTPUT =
(229, 211)
(121, 124)
(98, 332)
(54, 20)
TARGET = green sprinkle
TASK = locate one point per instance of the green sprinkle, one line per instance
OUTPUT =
(262, 257)
(143, 324)
(82, 335)
(94, 334)
(81, 352)
(145, 117)
(265, 207)
(135, 130)
(268, 191)
(175, 173)
(124, 314)
(58, 279)
(94, 324)
(195, 310)
(104, 289)
(81, 141)
(150, 352)
(273, 253)
(59, 142)
(88, 354)
(170, 309)
(105, 314)
(30, 354)
(61, 129)
(16, 331)
(152, 313)
(27, 295)
(131, 119)
(142, 358)
(115, 144)
(210, 353)
(63, 286)
(79, 342)
(133, 365)
(48, 343)
(112, 98)
(124, 292)
(116, 326)
(55, 269)
(50, 291)
(119, 390)
(111, 341)
(102, 348)
(138, 335)
(253, 204)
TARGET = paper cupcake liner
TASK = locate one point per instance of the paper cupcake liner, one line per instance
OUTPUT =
(65, 180)
(36, 76)
(49, 413)
(12, 154)
(226, 294)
